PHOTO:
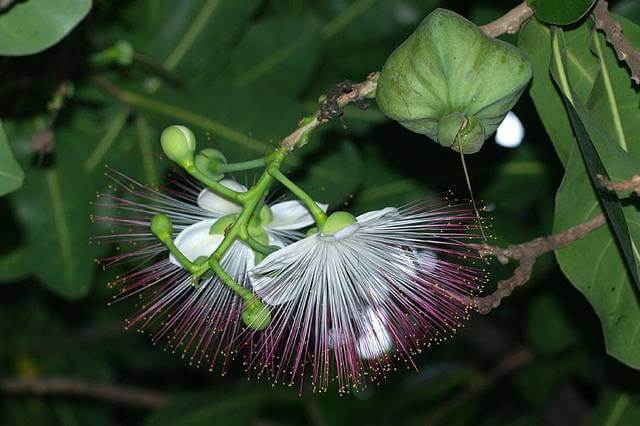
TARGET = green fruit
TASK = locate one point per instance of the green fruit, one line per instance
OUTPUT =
(451, 82)
(208, 161)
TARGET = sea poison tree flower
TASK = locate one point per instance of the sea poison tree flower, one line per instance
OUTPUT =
(366, 293)
(199, 318)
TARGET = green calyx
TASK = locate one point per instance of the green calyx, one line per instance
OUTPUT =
(222, 224)
(337, 221)
(461, 133)
(178, 144)
(451, 82)
(256, 315)
(161, 227)
(265, 215)
(208, 162)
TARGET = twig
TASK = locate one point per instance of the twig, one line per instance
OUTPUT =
(62, 386)
(510, 23)
(526, 255)
(632, 184)
(506, 366)
(613, 31)
(357, 92)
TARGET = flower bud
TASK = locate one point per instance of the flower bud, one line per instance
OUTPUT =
(207, 162)
(161, 226)
(178, 144)
(256, 315)
(337, 221)
(451, 82)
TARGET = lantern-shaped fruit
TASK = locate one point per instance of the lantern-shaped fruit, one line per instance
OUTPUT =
(452, 82)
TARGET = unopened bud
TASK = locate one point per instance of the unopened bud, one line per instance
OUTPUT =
(337, 221)
(178, 144)
(256, 315)
(161, 226)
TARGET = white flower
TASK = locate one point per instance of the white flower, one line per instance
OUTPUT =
(199, 319)
(196, 240)
(389, 278)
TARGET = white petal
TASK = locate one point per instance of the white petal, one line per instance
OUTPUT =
(375, 341)
(264, 278)
(345, 232)
(291, 215)
(275, 240)
(218, 205)
(195, 241)
(375, 214)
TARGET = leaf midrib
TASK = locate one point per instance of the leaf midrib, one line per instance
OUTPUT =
(61, 226)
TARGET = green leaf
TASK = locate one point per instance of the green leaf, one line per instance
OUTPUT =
(190, 38)
(581, 67)
(614, 99)
(333, 174)
(34, 25)
(14, 266)
(597, 146)
(54, 206)
(604, 280)
(616, 409)
(560, 12)
(11, 174)
(548, 328)
(274, 50)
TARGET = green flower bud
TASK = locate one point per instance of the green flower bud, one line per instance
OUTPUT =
(312, 231)
(256, 314)
(178, 144)
(161, 226)
(451, 82)
(124, 53)
(208, 160)
(337, 221)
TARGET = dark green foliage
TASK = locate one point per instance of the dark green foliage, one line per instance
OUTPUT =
(241, 74)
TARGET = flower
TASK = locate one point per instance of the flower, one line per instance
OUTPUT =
(197, 318)
(365, 293)
(278, 223)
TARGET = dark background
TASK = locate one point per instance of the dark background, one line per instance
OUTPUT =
(253, 69)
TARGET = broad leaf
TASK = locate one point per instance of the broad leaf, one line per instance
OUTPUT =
(582, 67)
(191, 37)
(614, 98)
(54, 211)
(334, 174)
(549, 328)
(560, 12)
(14, 265)
(606, 281)
(11, 174)
(616, 408)
(274, 50)
(594, 264)
(596, 147)
(33, 25)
